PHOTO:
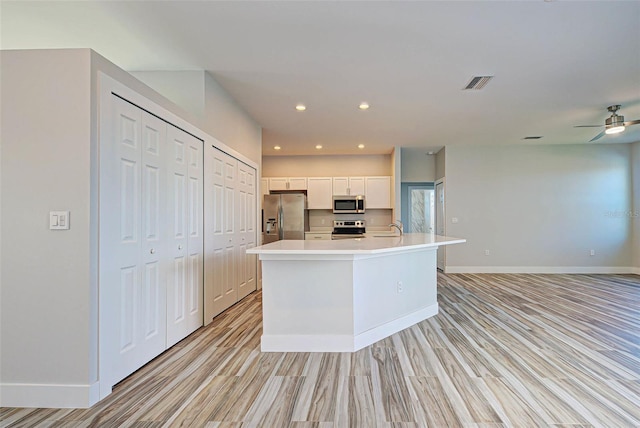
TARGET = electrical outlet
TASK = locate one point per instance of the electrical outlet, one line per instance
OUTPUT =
(592, 252)
(487, 252)
(399, 287)
(454, 219)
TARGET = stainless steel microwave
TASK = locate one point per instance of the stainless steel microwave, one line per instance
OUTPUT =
(349, 204)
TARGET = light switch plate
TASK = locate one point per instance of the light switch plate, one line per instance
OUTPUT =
(59, 220)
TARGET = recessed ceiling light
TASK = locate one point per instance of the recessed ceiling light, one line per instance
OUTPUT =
(363, 106)
(319, 146)
(301, 107)
(361, 146)
(276, 147)
(429, 153)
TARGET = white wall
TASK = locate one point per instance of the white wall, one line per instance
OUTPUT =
(539, 208)
(48, 300)
(326, 166)
(635, 215)
(418, 166)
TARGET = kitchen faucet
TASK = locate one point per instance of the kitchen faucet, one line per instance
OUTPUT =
(398, 225)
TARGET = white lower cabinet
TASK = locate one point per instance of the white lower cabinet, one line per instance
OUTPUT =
(150, 238)
(317, 236)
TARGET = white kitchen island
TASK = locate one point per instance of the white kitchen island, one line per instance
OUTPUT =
(343, 295)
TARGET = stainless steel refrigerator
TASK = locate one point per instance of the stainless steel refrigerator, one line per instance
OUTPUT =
(284, 216)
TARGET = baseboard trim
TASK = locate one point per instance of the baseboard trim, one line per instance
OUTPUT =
(544, 269)
(343, 342)
(49, 396)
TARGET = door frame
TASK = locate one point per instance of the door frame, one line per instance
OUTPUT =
(442, 252)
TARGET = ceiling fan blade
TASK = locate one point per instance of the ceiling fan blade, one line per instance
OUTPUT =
(588, 126)
(597, 136)
(633, 122)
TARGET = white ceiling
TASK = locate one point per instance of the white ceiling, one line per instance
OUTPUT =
(556, 64)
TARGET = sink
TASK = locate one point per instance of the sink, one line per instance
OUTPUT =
(385, 235)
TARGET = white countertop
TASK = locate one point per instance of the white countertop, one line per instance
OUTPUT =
(368, 245)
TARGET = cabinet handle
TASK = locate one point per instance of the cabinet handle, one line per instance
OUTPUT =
(152, 251)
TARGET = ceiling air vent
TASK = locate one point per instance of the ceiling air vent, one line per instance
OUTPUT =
(536, 137)
(478, 82)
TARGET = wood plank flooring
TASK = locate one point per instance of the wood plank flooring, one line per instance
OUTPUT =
(505, 351)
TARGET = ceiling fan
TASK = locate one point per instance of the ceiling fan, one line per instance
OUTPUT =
(613, 125)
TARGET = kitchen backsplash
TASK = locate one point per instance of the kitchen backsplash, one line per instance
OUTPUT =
(376, 219)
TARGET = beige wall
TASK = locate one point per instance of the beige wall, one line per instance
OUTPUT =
(184, 88)
(46, 275)
(635, 215)
(441, 163)
(326, 166)
(211, 106)
(418, 166)
(540, 208)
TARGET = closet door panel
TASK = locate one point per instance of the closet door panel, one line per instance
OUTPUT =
(246, 264)
(184, 282)
(220, 229)
(131, 243)
(154, 240)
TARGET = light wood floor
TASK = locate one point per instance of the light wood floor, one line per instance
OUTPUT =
(505, 350)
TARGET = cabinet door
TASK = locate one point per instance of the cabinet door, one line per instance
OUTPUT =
(319, 193)
(298, 183)
(356, 186)
(341, 186)
(264, 186)
(278, 183)
(184, 298)
(378, 192)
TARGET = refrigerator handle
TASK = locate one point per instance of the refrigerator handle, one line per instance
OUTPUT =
(280, 223)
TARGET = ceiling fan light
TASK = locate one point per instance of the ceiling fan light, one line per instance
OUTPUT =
(614, 130)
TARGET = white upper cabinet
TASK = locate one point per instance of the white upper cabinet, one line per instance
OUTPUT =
(348, 185)
(288, 183)
(320, 190)
(378, 192)
(264, 186)
(319, 193)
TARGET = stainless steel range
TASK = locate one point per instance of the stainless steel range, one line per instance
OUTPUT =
(348, 229)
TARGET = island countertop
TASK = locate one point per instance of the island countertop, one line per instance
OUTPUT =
(357, 246)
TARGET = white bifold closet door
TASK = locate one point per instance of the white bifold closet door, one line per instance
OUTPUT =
(150, 261)
(184, 285)
(246, 263)
(230, 226)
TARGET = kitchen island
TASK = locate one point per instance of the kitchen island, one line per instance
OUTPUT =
(343, 295)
